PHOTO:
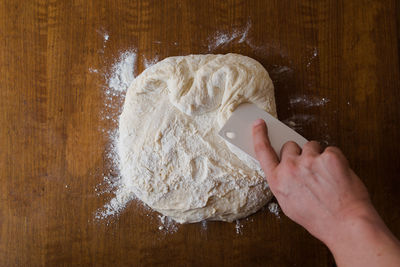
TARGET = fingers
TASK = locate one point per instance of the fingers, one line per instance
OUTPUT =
(290, 149)
(312, 148)
(262, 146)
(332, 152)
(333, 149)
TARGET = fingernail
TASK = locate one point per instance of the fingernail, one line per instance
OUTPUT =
(258, 122)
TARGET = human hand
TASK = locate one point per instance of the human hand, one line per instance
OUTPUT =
(319, 191)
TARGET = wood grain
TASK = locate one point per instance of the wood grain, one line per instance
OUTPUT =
(52, 149)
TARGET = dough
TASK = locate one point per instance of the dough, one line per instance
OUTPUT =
(171, 156)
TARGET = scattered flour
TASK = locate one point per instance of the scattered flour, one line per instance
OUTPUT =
(122, 72)
(298, 121)
(239, 227)
(274, 209)
(103, 33)
(314, 55)
(117, 81)
(167, 224)
(149, 62)
(221, 38)
(92, 70)
(106, 36)
(115, 205)
(277, 70)
(308, 101)
(204, 225)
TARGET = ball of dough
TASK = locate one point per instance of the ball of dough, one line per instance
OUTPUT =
(171, 156)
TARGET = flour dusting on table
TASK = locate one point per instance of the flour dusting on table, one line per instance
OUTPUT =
(167, 224)
(120, 76)
(122, 72)
(274, 209)
(308, 101)
(149, 62)
(221, 38)
(239, 227)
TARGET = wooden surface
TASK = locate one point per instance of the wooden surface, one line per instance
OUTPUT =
(52, 148)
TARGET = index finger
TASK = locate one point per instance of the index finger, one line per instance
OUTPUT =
(262, 146)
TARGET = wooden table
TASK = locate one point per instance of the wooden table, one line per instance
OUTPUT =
(335, 65)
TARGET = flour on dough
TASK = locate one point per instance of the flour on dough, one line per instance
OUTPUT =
(171, 155)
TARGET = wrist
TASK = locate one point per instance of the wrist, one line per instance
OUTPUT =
(357, 231)
(363, 240)
(360, 224)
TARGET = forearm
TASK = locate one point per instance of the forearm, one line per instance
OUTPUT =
(320, 192)
(365, 241)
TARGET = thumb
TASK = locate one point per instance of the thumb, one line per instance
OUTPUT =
(263, 149)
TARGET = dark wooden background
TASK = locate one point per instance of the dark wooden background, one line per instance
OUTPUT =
(51, 105)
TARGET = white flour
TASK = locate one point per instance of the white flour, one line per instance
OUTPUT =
(204, 225)
(122, 72)
(274, 209)
(167, 224)
(314, 55)
(149, 62)
(105, 36)
(308, 101)
(238, 227)
(118, 79)
(221, 38)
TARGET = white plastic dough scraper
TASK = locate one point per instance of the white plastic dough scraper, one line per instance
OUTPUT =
(238, 129)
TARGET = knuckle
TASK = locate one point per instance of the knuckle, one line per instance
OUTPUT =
(333, 150)
(334, 154)
(330, 154)
(289, 143)
(313, 144)
(309, 143)
(307, 161)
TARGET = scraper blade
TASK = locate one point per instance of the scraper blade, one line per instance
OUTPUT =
(238, 129)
